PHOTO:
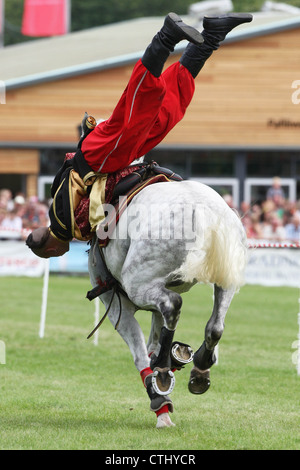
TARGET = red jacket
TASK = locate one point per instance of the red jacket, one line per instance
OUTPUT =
(148, 109)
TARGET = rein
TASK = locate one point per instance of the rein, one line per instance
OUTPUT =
(115, 292)
(107, 284)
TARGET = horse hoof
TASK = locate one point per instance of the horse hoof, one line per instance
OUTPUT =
(164, 421)
(199, 381)
(181, 354)
(163, 380)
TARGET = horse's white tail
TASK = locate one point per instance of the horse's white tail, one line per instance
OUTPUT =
(219, 253)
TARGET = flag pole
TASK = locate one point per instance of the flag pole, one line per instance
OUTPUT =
(2, 22)
(68, 16)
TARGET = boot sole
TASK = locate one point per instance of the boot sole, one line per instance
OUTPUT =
(189, 33)
(233, 20)
(240, 18)
(245, 17)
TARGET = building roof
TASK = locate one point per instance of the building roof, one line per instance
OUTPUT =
(108, 46)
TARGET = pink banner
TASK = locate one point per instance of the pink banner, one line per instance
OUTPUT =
(45, 17)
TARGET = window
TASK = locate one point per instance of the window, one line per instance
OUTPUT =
(195, 162)
(223, 186)
(44, 187)
(256, 189)
(51, 160)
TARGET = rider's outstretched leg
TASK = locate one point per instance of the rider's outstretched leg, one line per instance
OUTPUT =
(215, 30)
(173, 31)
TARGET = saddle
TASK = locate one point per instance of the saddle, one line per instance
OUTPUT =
(120, 188)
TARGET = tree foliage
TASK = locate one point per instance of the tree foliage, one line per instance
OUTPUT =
(91, 13)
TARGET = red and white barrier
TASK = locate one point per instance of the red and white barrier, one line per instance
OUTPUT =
(267, 244)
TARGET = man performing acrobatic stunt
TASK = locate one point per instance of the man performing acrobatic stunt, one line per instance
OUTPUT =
(151, 105)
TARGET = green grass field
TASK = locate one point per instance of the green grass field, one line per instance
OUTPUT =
(63, 392)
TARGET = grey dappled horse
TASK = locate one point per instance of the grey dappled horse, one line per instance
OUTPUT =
(172, 236)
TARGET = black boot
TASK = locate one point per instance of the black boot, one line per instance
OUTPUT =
(215, 30)
(173, 31)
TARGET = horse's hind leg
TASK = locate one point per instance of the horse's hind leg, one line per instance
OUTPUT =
(168, 303)
(204, 358)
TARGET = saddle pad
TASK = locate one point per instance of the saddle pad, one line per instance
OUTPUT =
(110, 222)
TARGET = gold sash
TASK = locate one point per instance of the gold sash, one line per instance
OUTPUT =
(97, 199)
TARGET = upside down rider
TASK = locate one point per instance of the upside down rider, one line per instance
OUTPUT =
(151, 105)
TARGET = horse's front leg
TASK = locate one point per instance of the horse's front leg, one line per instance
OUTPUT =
(205, 357)
(131, 332)
(154, 335)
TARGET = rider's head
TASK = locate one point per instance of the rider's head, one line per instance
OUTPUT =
(45, 244)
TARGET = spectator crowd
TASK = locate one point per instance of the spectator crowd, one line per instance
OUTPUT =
(19, 215)
(276, 219)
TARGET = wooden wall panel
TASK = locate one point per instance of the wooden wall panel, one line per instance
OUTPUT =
(243, 97)
(15, 161)
(31, 185)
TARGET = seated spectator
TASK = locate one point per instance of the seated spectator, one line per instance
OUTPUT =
(273, 229)
(256, 225)
(268, 207)
(247, 223)
(290, 209)
(6, 200)
(252, 226)
(2, 214)
(11, 225)
(43, 213)
(31, 218)
(257, 209)
(292, 230)
(275, 192)
(245, 208)
(20, 204)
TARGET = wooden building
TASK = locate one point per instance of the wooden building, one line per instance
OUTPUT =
(242, 127)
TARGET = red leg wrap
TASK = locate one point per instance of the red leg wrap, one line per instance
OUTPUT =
(144, 373)
(164, 409)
